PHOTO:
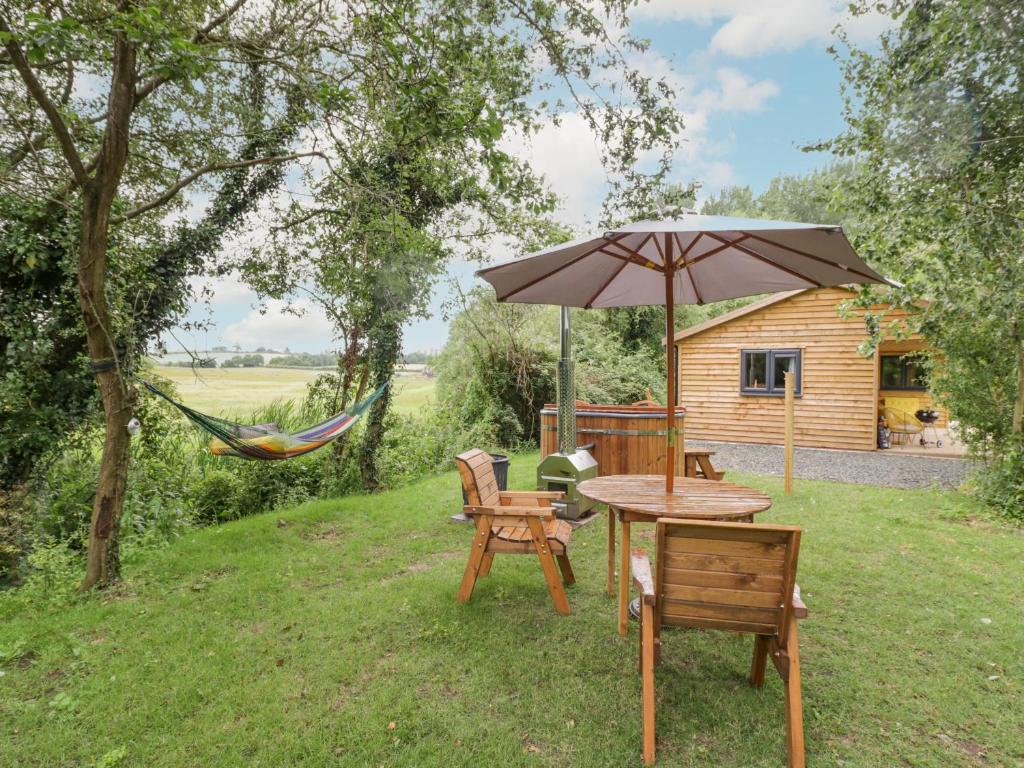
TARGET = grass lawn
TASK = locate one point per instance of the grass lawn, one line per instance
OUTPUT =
(238, 391)
(328, 635)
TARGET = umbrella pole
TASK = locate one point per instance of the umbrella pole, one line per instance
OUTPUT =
(670, 368)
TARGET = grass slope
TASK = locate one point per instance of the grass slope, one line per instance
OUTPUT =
(328, 635)
(236, 392)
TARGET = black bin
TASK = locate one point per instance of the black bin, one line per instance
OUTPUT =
(500, 463)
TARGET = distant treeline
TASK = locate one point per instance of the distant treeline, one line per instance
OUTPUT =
(304, 360)
(243, 361)
(292, 360)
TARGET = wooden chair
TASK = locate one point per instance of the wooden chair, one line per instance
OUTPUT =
(516, 522)
(698, 464)
(733, 576)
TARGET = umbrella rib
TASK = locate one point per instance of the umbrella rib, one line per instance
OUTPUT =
(684, 252)
(766, 260)
(811, 256)
(604, 287)
(718, 249)
(556, 270)
(632, 257)
(661, 253)
(682, 257)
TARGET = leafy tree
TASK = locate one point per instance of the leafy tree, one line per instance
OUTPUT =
(935, 121)
(111, 111)
(425, 172)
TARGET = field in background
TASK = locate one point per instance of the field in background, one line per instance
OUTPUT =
(238, 391)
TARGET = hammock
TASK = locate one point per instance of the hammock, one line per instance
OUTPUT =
(267, 441)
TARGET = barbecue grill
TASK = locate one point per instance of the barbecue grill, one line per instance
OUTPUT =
(928, 419)
(569, 465)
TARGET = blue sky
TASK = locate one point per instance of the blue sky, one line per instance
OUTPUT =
(755, 82)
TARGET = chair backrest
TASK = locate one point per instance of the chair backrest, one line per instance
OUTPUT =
(734, 576)
(901, 421)
(478, 481)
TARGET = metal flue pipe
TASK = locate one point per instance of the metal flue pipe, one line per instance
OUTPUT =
(566, 388)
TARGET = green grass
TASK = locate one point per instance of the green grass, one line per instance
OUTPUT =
(298, 638)
(239, 391)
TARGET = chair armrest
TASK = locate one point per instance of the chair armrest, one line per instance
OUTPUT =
(640, 568)
(799, 609)
(534, 495)
(541, 512)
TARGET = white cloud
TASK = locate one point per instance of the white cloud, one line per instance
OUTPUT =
(569, 156)
(279, 328)
(738, 93)
(756, 27)
(225, 290)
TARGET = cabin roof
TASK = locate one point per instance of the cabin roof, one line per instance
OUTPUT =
(756, 306)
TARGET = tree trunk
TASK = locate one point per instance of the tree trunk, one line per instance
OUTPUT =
(384, 346)
(102, 564)
(1018, 403)
(102, 560)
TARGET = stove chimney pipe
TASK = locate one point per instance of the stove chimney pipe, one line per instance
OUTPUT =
(566, 389)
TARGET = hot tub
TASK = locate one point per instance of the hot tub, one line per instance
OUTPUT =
(628, 439)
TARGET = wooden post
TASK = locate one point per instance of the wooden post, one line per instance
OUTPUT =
(787, 470)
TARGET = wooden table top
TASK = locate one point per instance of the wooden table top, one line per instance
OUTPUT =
(692, 498)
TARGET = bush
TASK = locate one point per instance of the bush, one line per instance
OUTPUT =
(1000, 483)
(215, 497)
(14, 532)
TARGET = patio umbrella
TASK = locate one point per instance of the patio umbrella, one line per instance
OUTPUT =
(690, 260)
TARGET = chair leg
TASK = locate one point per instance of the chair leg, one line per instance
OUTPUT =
(760, 660)
(485, 565)
(647, 680)
(794, 703)
(568, 577)
(476, 557)
(547, 564)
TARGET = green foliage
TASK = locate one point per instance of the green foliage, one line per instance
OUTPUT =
(934, 120)
(243, 361)
(304, 360)
(215, 496)
(498, 367)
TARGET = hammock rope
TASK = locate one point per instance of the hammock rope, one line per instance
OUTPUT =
(266, 441)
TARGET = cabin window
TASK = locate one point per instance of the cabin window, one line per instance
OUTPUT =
(763, 371)
(903, 372)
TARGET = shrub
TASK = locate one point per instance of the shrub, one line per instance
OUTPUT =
(215, 497)
(1000, 483)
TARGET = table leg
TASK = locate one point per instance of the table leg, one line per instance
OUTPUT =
(611, 552)
(624, 581)
(690, 464)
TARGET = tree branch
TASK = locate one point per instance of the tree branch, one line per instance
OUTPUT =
(199, 36)
(175, 188)
(38, 93)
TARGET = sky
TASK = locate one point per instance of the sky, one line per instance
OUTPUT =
(754, 81)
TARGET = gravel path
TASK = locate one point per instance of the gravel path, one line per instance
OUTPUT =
(866, 467)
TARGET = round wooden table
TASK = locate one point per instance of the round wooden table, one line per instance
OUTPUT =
(642, 499)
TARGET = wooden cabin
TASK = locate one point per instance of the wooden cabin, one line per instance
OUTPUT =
(731, 373)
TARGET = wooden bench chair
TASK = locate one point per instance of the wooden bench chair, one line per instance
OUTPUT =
(698, 464)
(516, 522)
(732, 576)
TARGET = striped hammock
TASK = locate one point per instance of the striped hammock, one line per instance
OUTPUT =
(267, 441)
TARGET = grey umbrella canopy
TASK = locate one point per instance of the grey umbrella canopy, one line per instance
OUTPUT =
(690, 260)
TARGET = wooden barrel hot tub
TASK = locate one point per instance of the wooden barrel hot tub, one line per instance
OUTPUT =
(628, 439)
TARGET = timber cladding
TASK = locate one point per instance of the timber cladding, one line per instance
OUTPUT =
(838, 404)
